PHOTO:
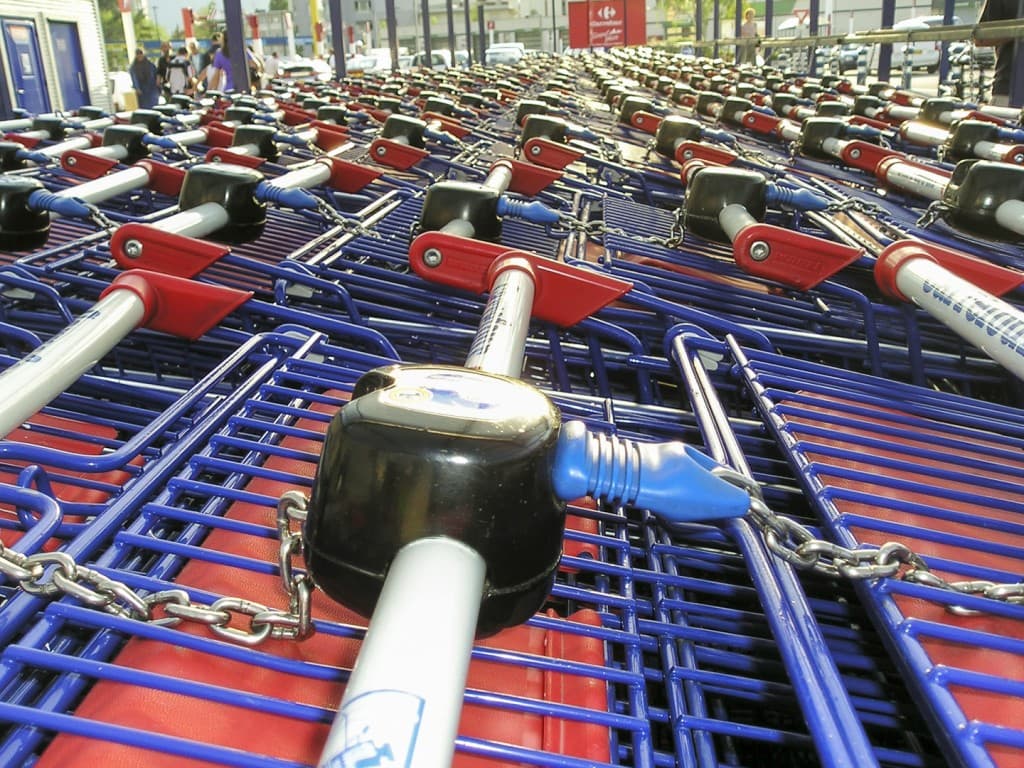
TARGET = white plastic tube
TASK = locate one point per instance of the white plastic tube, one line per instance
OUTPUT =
(405, 694)
(1010, 215)
(52, 367)
(987, 322)
(916, 179)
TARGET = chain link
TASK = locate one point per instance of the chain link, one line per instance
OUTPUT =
(348, 225)
(933, 213)
(100, 218)
(54, 574)
(797, 545)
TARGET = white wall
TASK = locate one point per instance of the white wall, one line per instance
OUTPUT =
(85, 14)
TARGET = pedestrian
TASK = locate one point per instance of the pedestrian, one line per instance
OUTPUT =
(161, 65)
(195, 56)
(746, 51)
(272, 66)
(256, 65)
(1006, 49)
(180, 73)
(222, 78)
(143, 74)
(206, 70)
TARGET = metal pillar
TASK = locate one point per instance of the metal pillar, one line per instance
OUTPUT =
(814, 12)
(885, 50)
(337, 37)
(392, 22)
(947, 19)
(482, 31)
(769, 17)
(716, 24)
(469, 34)
(234, 21)
(425, 15)
(450, 11)
(698, 22)
(1017, 68)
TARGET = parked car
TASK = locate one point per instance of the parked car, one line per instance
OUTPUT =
(302, 69)
(504, 53)
(923, 54)
(964, 54)
(847, 55)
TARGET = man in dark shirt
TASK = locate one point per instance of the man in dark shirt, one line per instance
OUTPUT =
(161, 65)
(1006, 48)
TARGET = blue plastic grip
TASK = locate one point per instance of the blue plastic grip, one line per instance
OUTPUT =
(1011, 134)
(69, 207)
(163, 142)
(865, 132)
(534, 210)
(579, 132)
(722, 137)
(672, 480)
(779, 196)
(296, 199)
(440, 136)
(33, 157)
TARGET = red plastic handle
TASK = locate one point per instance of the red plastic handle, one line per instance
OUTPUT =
(563, 294)
(695, 150)
(401, 157)
(26, 141)
(550, 154)
(165, 179)
(991, 278)
(759, 122)
(142, 246)
(350, 177)
(86, 164)
(219, 135)
(645, 121)
(329, 136)
(177, 306)
(1014, 154)
(529, 179)
(225, 155)
(866, 156)
(448, 124)
(791, 258)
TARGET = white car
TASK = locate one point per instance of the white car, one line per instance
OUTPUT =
(923, 54)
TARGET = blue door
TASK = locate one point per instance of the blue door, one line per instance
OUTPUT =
(67, 49)
(22, 46)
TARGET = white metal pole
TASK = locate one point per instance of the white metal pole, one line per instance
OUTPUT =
(195, 222)
(988, 322)
(1010, 215)
(52, 367)
(914, 178)
(407, 685)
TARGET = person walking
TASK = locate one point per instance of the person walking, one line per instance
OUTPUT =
(222, 78)
(143, 75)
(161, 65)
(180, 73)
(1006, 48)
(745, 52)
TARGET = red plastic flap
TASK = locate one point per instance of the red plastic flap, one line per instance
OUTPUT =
(688, 100)
(792, 258)
(26, 141)
(330, 137)
(401, 157)
(219, 135)
(332, 127)
(296, 116)
(178, 306)
(695, 150)
(976, 114)
(905, 98)
(86, 164)
(225, 155)
(550, 154)
(529, 179)
(165, 179)
(350, 177)
(645, 121)
(759, 122)
(866, 156)
(870, 122)
(164, 252)
(563, 294)
(991, 278)
(448, 124)
(1014, 154)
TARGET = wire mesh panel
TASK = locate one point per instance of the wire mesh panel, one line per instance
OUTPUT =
(885, 462)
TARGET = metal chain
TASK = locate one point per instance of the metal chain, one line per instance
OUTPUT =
(797, 545)
(54, 574)
(347, 224)
(100, 218)
(932, 214)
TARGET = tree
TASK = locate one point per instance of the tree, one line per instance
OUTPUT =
(280, 5)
